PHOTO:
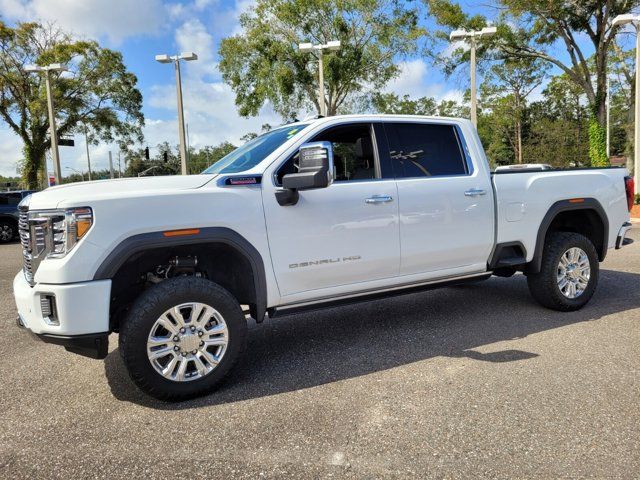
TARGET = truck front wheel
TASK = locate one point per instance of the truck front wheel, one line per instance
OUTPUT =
(569, 272)
(182, 337)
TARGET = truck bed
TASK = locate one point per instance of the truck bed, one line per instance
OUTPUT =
(523, 198)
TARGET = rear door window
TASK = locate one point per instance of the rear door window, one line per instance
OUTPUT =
(425, 150)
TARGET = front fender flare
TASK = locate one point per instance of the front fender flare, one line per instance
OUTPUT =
(151, 240)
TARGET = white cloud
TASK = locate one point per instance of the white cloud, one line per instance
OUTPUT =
(112, 19)
(227, 21)
(209, 111)
(414, 80)
(411, 79)
(192, 36)
(10, 151)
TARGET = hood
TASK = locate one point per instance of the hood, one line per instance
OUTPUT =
(75, 194)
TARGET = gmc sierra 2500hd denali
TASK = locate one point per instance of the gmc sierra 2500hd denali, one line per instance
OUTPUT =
(309, 215)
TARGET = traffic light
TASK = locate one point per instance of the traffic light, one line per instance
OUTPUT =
(165, 156)
(146, 153)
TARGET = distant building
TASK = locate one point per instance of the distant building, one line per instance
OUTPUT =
(618, 161)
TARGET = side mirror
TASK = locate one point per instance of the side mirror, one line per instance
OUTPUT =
(315, 170)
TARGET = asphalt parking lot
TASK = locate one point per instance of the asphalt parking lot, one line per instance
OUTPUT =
(473, 381)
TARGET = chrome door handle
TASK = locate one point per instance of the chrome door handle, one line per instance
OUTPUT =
(474, 192)
(379, 199)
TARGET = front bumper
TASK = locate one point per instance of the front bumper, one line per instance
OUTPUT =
(81, 321)
(93, 345)
(621, 239)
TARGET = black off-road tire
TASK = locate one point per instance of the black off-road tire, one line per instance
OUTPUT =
(8, 231)
(135, 330)
(544, 285)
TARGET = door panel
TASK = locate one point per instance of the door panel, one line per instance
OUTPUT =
(333, 237)
(446, 208)
(345, 234)
(440, 227)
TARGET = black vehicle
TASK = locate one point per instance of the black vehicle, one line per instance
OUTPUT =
(9, 213)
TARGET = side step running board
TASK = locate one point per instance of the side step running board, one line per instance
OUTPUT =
(368, 297)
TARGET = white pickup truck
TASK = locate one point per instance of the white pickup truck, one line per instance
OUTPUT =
(309, 215)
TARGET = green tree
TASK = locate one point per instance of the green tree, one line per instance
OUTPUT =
(251, 135)
(200, 159)
(558, 126)
(137, 164)
(391, 103)
(506, 90)
(10, 183)
(530, 28)
(622, 75)
(98, 93)
(263, 63)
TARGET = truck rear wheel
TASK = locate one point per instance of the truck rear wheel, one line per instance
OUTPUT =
(569, 272)
(182, 337)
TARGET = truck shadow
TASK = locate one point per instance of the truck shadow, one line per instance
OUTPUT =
(307, 350)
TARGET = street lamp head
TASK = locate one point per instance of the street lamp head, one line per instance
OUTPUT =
(52, 67)
(56, 67)
(333, 45)
(625, 19)
(163, 58)
(188, 56)
(488, 31)
(305, 47)
(459, 35)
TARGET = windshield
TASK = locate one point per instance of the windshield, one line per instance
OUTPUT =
(254, 151)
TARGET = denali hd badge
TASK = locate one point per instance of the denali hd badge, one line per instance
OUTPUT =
(312, 263)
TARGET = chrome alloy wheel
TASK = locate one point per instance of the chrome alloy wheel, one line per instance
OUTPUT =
(574, 271)
(6, 233)
(187, 342)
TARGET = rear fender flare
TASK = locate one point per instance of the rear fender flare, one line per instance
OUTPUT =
(564, 206)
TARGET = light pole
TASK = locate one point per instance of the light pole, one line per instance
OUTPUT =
(635, 20)
(187, 56)
(309, 47)
(53, 67)
(472, 36)
(86, 144)
(608, 117)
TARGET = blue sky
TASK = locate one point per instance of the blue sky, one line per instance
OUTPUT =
(143, 28)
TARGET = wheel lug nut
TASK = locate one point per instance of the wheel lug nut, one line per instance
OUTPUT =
(201, 344)
(200, 333)
(193, 328)
(176, 338)
(182, 330)
(194, 352)
(176, 348)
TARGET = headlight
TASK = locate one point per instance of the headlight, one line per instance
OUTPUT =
(56, 232)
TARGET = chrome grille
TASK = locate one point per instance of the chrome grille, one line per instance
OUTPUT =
(25, 240)
(40, 233)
